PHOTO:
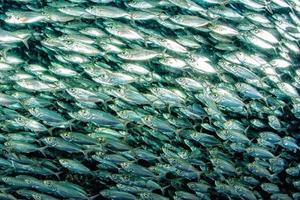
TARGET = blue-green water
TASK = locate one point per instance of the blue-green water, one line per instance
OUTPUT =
(159, 99)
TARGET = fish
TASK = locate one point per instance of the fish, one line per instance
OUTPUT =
(157, 99)
(74, 165)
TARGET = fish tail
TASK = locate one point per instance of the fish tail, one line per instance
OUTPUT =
(25, 42)
(42, 150)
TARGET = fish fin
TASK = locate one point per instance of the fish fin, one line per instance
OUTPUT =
(224, 3)
(57, 174)
(161, 14)
(291, 7)
(268, 8)
(199, 175)
(132, 22)
(246, 129)
(70, 122)
(169, 108)
(4, 52)
(125, 123)
(248, 110)
(239, 171)
(265, 99)
(164, 53)
(32, 8)
(42, 150)
(25, 42)
(194, 127)
(163, 189)
(38, 141)
(272, 177)
(252, 140)
(275, 50)
(50, 130)
(177, 132)
(93, 197)
(146, 39)
(86, 152)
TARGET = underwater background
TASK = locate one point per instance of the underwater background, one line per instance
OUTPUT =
(149, 99)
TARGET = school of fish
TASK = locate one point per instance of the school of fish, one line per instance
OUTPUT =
(149, 99)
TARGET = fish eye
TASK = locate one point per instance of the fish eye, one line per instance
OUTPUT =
(37, 197)
(47, 183)
(62, 161)
(102, 75)
(83, 112)
(124, 164)
(191, 59)
(172, 159)
(19, 119)
(5, 178)
(66, 134)
(7, 143)
(71, 90)
(28, 181)
(180, 79)
(123, 113)
(100, 153)
(214, 95)
(148, 118)
(11, 17)
(68, 42)
(91, 8)
(146, 195)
